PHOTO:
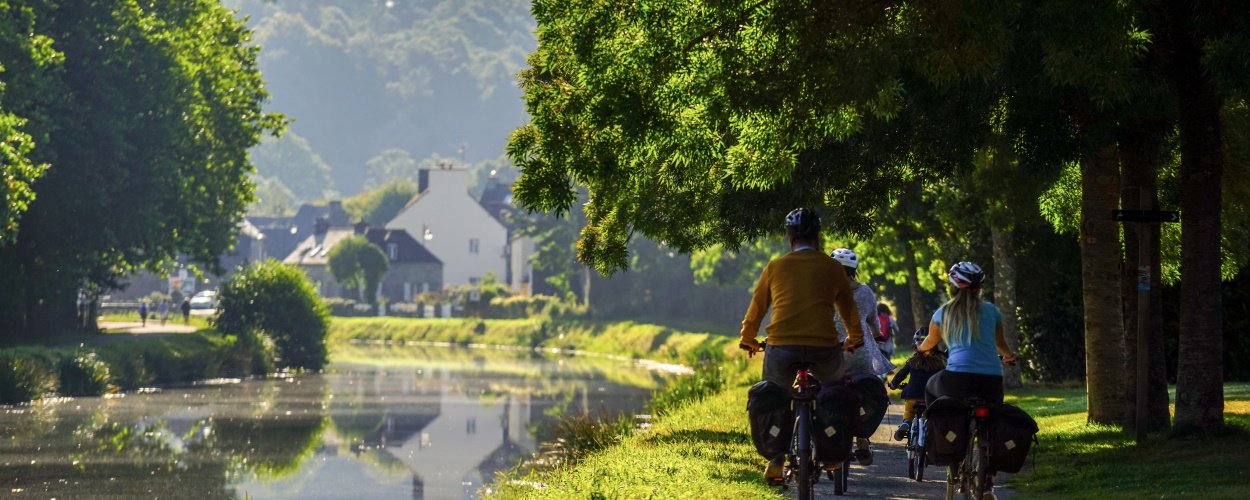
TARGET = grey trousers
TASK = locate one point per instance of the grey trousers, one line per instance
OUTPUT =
(780, 360)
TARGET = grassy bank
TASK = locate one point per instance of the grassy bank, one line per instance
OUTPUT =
(626, 338)
(32, 372)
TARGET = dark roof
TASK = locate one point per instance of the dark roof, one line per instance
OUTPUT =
(314, 249)
(410, 251)
(283, 234)
(497, 200)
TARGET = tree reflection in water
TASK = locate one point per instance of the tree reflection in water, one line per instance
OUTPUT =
(384, 423)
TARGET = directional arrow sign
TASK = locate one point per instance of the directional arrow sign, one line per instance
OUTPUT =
(1145, 216)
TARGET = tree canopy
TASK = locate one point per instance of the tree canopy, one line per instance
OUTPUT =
(356, 263)
(144, 122)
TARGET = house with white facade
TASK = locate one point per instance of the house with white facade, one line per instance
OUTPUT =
(453, 226)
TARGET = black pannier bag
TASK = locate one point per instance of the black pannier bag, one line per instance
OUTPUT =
(772, 418)
(836, 407)
(873, 403)
(1011, 437)
(946, 431)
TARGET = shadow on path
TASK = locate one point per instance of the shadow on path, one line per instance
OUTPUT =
(887, 478)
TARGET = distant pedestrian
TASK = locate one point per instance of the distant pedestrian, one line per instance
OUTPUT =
(889, 329)
(163, 309)
(143, 313)
(186, 311)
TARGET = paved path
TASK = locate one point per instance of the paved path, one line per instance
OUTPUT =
(120, 331)
(886, 478)
(152, 327)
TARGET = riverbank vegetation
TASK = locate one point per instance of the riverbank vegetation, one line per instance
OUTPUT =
(28, 373)
(629, 339)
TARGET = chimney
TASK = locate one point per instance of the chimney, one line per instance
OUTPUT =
(321, 225)
(444, 178)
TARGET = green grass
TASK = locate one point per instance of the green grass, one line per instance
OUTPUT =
(1076, 460)
(700, 450)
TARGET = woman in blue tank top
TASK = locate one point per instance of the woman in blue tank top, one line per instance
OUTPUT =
(974, 331)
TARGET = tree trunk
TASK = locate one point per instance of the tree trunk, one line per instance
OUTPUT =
(1140, 151)
(918, 312)
(1200, 365)
(1005, 297)
(1100, 286)
(586, 271)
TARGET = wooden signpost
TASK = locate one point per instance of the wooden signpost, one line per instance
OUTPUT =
(1143, 217)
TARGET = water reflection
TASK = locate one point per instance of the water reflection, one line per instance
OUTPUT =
(387, 422)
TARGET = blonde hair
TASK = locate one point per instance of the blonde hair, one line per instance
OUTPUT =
(961, 316)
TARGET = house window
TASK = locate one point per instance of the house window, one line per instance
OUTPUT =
(392, 251)
(473, 246)
(425, 287)
(475, 281)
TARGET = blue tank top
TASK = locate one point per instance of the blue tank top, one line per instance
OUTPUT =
(980, 355)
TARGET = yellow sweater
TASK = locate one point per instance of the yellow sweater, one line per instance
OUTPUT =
(802, 288)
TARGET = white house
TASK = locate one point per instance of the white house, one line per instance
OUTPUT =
(454, 227)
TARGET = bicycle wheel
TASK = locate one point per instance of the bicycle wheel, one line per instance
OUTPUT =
(952, 478)
(838, 486)
(980, 471)
(911, 463)
(920, 463)
(805, 466)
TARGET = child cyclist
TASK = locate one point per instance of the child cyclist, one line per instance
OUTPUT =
(920, 366)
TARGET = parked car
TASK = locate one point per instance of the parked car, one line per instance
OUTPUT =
(206, 299)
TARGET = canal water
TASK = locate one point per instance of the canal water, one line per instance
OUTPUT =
(382, 423)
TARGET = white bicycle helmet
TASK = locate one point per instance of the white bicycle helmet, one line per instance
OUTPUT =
(965, 274)
(846, 257)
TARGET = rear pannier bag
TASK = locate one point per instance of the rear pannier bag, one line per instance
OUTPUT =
(836, 409)
(946, 431)
(772, 418)
(1011, 436)
(873, 403)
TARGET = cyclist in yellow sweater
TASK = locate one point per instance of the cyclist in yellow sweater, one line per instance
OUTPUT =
(803, 287)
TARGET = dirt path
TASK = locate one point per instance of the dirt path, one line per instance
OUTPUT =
(887, 478)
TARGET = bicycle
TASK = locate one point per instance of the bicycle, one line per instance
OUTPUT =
(973, 475)
(916, 459)
(802, 460)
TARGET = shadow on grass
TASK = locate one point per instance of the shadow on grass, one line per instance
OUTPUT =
(699, 435)
(1099, 462)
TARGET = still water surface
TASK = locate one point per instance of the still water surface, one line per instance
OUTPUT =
(382, 423)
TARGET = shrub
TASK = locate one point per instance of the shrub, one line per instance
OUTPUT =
(277, 301)
(535, 306)
(25, 376)
(84, 374)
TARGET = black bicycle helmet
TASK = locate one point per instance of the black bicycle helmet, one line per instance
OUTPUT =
(803, 222)
(920, 335)
(965, 274)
